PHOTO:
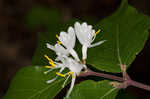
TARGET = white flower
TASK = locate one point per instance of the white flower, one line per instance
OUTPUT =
(75, 69)
(60, 50)
(65, 47)
(86, 36)
(66, 62)
(68, 40)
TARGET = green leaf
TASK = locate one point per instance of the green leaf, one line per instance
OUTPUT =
(126, 32)
(30, 83)
(94, 90)
(41, 50)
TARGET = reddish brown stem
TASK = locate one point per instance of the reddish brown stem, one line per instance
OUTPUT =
(92, 73)
(140, 85)
(125, 82)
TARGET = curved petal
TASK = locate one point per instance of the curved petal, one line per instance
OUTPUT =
(60, 50)
(71, 37)
(68, 39)
(50, 46)
(84, 33)
(63, 38)
(84, 25)
(79, 32)
(84, 52)
(71, 87)
(74, 54)
(97, 43)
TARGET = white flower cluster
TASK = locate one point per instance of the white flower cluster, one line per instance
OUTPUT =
(65, 47)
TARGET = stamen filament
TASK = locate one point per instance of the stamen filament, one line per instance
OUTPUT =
(65, 81)
(71, 73)
(98, 32)
(46, 72)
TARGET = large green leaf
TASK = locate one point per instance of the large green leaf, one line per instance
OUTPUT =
(30, 83)
(126, 32)
(94, 90)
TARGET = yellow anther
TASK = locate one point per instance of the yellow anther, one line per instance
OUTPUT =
(58, 42)
(50, 61)
(71, 73)
(57, 36)
(48, 58)
(64, 75)
(59, 74)
(48, 66)
(98, 32)
(52, 64)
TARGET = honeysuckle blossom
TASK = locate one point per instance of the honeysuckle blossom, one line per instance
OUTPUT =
(68, 39)
(60, 50)
(64, 48)
(86, 35)
(75, 69)
(66, 62)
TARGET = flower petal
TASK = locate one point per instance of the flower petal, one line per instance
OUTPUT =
(71, 87)
(74, 54)
(97, 43)
(60, 50)
(71, 37)
(84, 52)
(84, 33)
(50, 46)
(63, 38)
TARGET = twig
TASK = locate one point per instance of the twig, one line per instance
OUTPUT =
(124, 82)
(92, 73)
(140, 85)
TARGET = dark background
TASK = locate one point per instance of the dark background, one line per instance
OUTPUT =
(18, 41)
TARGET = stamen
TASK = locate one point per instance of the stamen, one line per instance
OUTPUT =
(52, 64)
(65, 81)
(46, 72)
(59, 74)
(98, 32)
(48, 58)
(64, 75)
(48, 66)
(58, 42)
(57, 36)
(52, 80)
(50, 61)
(71, 73)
